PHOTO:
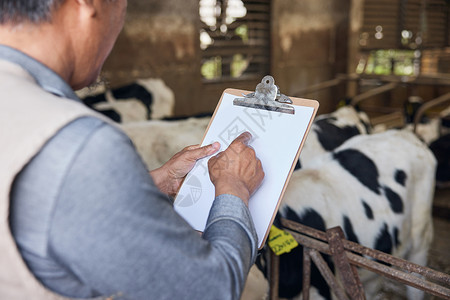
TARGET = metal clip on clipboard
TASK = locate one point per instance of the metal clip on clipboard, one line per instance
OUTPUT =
(267, 96)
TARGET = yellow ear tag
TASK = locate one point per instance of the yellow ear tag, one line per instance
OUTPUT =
(281, 241)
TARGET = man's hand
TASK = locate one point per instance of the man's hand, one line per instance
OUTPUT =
(237, 170)
(168, 178)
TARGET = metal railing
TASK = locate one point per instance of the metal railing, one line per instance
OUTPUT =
(428, 105)
(347, 256)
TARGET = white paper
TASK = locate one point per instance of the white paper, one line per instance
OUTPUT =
(276, 140)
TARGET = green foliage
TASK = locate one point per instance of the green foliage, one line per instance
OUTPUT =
(212, 68)
(242, 32)
(390, 62)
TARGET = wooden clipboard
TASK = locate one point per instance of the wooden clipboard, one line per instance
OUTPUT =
(278, 137)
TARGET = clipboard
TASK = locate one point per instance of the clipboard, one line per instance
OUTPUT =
(279, 126)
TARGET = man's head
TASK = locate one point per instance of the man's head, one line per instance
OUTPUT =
(72, 37)
(34, 11)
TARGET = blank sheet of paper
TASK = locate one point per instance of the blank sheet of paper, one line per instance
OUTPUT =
(276, 139)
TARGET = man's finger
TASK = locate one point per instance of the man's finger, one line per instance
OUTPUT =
(244, 137)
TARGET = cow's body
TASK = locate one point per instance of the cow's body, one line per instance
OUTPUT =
(441, 150)
(145, 99)
(158, 140)
(329, 131)
(378, 188)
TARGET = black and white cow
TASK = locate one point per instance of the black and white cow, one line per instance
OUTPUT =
(369, 185)
(378, 188)
(158, 140)
(329, 131)
(441, 150)
(435, 132)
(144, 99)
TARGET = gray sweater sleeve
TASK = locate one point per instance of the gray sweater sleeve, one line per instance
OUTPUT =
(115, 233)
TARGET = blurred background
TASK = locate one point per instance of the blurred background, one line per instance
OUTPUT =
(199, 48)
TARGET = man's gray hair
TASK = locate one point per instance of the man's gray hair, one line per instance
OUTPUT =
(19, 11)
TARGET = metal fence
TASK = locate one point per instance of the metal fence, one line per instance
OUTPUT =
(347, 256)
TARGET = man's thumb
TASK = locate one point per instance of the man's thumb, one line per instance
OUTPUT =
(204, 151)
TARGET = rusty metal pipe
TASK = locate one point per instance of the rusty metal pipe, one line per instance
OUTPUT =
(306, 273)
(317, 87)
(348, 245)
(350, 278)
(400, 274)
(373, 92)
(327, 274)
(427, 105)
(274, 275)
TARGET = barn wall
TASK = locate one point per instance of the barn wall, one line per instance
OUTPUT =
(309, 46)
(160, 40)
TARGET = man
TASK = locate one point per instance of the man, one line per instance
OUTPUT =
(80, 216)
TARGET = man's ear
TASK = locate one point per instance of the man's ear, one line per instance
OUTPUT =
(88, 7)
